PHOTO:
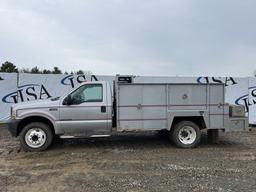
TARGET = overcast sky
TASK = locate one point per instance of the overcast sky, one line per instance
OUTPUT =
(145, 37)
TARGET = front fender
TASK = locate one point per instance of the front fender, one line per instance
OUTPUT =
(22, 114)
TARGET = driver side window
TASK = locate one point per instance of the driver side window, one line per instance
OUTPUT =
(87, 93)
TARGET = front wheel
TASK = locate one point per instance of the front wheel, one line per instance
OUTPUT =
(185, 134)
(36, 136)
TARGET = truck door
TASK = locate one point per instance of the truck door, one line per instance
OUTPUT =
(88, 111)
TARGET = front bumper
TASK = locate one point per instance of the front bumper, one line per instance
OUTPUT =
(12, 126)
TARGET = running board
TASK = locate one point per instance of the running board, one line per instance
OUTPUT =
(71, 137)
(100, 136)
(67, 137)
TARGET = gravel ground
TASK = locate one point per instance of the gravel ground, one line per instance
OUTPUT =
(135, 162)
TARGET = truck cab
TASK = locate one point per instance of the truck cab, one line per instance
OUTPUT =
(86, 110)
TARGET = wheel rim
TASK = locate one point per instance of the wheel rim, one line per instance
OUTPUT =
(35, 137)
(187, 135)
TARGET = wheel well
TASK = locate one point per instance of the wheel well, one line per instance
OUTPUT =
(31, 119)
(198, 120)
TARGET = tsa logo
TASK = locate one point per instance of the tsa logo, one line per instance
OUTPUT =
(226, 80)
(248, 99)
(27, 93)
(71, 80)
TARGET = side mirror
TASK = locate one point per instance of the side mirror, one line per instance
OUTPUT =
(67, 100)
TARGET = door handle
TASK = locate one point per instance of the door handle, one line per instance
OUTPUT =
(139, 106)
(103, 109)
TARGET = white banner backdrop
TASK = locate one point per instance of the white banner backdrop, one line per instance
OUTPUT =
(34, 86)
(250, 100)
(8, 86)
(27, 87)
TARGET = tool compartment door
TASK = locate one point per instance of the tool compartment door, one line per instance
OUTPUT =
(154, 107)
(141, 107)
(128, 114)
(187, 97)
(216, 105)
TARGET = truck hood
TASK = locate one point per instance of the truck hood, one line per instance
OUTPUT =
(36, 104)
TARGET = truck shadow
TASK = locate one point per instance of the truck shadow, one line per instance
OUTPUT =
(135, 141)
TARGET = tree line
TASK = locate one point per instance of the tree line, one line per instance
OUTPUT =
(9, 67)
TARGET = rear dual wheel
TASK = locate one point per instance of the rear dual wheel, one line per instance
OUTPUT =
(185, 134)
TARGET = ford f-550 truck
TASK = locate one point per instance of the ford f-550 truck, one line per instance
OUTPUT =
(102, 108)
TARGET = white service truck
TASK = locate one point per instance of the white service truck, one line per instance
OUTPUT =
(99, 108)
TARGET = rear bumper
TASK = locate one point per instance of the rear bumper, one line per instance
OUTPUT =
(12, 126)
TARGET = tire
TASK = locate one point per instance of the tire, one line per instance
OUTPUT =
(185, 134)
(36, 137)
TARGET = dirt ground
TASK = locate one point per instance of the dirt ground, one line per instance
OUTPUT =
(135, 162)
